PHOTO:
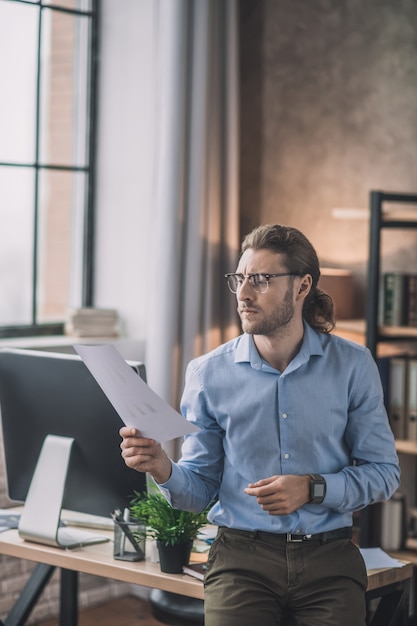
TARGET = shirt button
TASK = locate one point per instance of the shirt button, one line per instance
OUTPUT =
(284, 416)
(286, 456)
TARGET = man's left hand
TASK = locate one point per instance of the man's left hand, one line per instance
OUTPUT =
(281, 495)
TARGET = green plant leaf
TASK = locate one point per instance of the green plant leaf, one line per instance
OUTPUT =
(163, 522)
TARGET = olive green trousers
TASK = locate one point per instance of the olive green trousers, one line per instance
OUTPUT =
(258, 579)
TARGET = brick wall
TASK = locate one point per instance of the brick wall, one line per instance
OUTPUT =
(14, 573)
(57, 188)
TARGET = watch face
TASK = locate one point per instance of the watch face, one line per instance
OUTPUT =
(318, 491)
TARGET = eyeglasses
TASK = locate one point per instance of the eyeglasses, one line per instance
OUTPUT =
(258, 282)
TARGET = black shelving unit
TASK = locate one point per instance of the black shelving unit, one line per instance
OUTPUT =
(379, 221)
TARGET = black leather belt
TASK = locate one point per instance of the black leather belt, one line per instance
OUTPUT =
(330, 535)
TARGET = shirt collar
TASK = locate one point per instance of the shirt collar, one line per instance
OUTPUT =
(246, 351)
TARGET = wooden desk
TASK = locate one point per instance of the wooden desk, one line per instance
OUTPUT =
(392, 584)
(98, 560)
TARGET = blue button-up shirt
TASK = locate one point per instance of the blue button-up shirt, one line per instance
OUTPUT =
(323, 415)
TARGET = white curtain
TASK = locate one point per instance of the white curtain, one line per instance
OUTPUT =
(194, 232)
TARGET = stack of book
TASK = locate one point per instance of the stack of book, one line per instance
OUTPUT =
(195, 569)
(91, 322)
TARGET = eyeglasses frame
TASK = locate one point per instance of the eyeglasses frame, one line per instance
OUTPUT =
(266, 276)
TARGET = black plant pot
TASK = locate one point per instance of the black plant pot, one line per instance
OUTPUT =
(172, 558)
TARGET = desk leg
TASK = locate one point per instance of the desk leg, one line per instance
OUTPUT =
(69, 598)
(29, 595)
(393, 607)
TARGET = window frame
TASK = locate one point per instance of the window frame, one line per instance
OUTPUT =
(35, 328)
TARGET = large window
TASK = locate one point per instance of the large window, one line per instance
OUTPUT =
(47, 112)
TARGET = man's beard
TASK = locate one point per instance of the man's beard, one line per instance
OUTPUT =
(273, 323)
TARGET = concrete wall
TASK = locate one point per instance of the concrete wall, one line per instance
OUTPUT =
(329, 112)
(125, 160)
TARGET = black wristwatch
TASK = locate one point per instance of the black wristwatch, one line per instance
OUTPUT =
(317, 488)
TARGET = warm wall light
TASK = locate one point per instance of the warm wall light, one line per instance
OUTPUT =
(345, 213)
(339, 284)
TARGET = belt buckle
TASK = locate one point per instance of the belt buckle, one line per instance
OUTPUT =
(291, 538)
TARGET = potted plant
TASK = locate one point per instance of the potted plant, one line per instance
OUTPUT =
(173, 529)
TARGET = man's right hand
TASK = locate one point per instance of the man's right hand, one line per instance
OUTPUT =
(144, 455)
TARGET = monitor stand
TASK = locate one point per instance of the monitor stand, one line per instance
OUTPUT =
(41, 517)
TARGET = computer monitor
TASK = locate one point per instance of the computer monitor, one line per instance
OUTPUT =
(53, 394)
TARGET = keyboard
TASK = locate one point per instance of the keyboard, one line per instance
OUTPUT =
(74, 537)
(87, 521)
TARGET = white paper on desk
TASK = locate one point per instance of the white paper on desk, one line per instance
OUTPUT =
(376, 558)
(8, 519)
(134, 401)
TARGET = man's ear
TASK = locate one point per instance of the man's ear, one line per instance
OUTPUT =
(304, 287)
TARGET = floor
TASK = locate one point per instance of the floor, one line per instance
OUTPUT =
(129, 611)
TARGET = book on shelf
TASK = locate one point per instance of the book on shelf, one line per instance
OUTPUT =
(394, 299)
(412, 400)
(412, 300)
(401, 396)
(396, 408)
(195, 569)
(399, 299)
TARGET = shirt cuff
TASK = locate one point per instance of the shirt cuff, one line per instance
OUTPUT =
(174, 483)
(335, 490)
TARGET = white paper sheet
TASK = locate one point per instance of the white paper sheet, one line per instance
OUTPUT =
(134, 401)
(8, 519)
(376, 558)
